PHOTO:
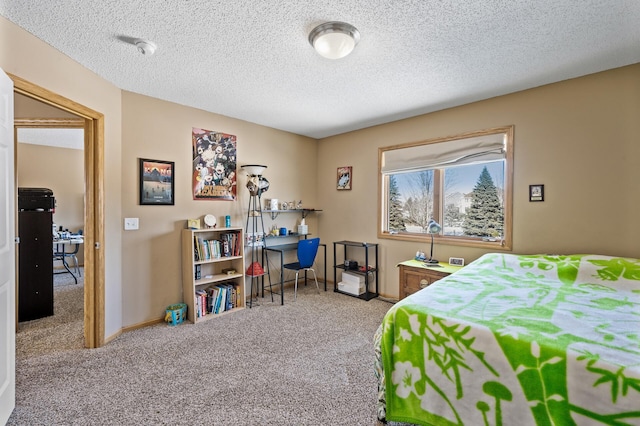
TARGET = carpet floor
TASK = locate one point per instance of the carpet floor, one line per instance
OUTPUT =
(309, 362)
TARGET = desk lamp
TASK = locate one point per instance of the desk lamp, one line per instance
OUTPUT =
(433, 227)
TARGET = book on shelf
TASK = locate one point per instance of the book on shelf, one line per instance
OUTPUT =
(196, 249)
(221, 302)
(226, 246)
(201, 299)
(235, 299)
(230, 296)
(198, 272)
(217, 299)
(212, 296)
(213, 299)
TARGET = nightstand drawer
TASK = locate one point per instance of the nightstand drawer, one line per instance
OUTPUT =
(415, 278)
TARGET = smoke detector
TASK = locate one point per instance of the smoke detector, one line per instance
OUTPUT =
(146, 47)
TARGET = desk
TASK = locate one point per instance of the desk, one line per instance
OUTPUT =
(60, 251)
(282, 248)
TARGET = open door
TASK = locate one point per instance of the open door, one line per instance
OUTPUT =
(7, 253)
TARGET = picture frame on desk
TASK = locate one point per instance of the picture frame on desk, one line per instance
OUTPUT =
(157, 186)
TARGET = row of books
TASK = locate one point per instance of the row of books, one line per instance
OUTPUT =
(217, 299)
(227, 245)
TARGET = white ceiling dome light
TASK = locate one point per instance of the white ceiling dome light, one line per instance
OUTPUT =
(334, 40)
(145, 47)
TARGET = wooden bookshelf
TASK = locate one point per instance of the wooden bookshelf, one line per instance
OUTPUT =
(203, 251)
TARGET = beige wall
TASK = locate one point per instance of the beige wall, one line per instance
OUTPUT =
(27, 57)
(159, 130)
(28, 108)
(62, 171)
(579, 138)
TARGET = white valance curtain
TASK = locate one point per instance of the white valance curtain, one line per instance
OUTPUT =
(456, 152)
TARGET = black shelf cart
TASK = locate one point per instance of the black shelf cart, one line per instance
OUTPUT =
(367, 295)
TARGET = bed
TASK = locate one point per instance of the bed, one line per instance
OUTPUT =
(516, 340)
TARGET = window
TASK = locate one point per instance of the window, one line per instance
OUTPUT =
(462, 182)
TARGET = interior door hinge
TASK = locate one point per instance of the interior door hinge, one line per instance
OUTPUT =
(17, 239)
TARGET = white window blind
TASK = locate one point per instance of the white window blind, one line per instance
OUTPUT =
(456, 152)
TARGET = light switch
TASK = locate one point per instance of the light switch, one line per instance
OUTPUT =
(130, 223)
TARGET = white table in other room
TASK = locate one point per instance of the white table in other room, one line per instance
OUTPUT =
(62, 250)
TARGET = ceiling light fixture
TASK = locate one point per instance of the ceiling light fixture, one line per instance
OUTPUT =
(146, 47)
(334, 40)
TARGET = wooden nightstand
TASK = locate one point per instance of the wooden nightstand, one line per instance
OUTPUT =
(414, 276)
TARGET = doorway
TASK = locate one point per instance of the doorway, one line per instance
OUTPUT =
(93, 125)
(50, 155)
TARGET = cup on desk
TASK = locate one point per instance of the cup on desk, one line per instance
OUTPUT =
(283, 231)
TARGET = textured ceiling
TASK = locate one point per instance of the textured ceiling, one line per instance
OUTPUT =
(251, 59)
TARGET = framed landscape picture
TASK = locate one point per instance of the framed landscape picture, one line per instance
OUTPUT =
(157, 186)
(344, 177)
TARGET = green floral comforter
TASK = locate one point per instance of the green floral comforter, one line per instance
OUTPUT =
(517, 340)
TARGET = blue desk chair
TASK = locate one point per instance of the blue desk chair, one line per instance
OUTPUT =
(307, 250)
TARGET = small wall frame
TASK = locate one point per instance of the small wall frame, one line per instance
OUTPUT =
(345, 177)
(536, 192)
(157, 186)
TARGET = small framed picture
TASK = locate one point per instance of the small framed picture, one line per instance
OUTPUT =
(156, 182)
(536, 192)
(344, 177)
